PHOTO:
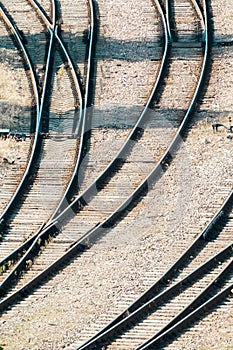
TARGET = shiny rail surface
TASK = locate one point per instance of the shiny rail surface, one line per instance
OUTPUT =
(182, 276)
(27, 243)
(221, 285)
(90, 237)
(42, 236)
(41, 141)
(35, 142)
(195, 263)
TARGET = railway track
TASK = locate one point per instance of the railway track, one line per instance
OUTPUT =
(50, 176)
(4, 260)
(18, 110)
(176, 293)
(116, 109)
(76, 35)
(205, 255)
(33, 32)
(190, 30)
(205, 323)
(27, 63)
(219, 243)
(68, 238)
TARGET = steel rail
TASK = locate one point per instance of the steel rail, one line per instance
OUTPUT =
(46, 232)
(88, 193)
(30, 244)
(48, 63)
(199, 12)
(15, 32)
(212, 302)
(184, 319)
(82, 124)
(155, 174)
(103, 335)
(54, 13)
(82, 109)
(52, 223)
(158, 287)
(31, 249)
(225, 292)
(160, 283)
(14, 255)
(196, 313)
(47, 21)
(91, 236)
(73, 71)
(196, 303)
(168, 20)
(40, 107)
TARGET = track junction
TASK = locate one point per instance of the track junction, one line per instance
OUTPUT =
(77, 210)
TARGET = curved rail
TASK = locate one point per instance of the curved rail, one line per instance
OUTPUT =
(82, 111)
(33, 151)
(159, 285)
(217, 297)
(90, 237)
(130, 318)
(40, 107)
(149, 296)
(191, 317)
(82, 125)
(168, 19)
(159, 168)
(52, 225)
(199, 12)
(87, 194)
(54, 13)
(201, 303)
(47, 22)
